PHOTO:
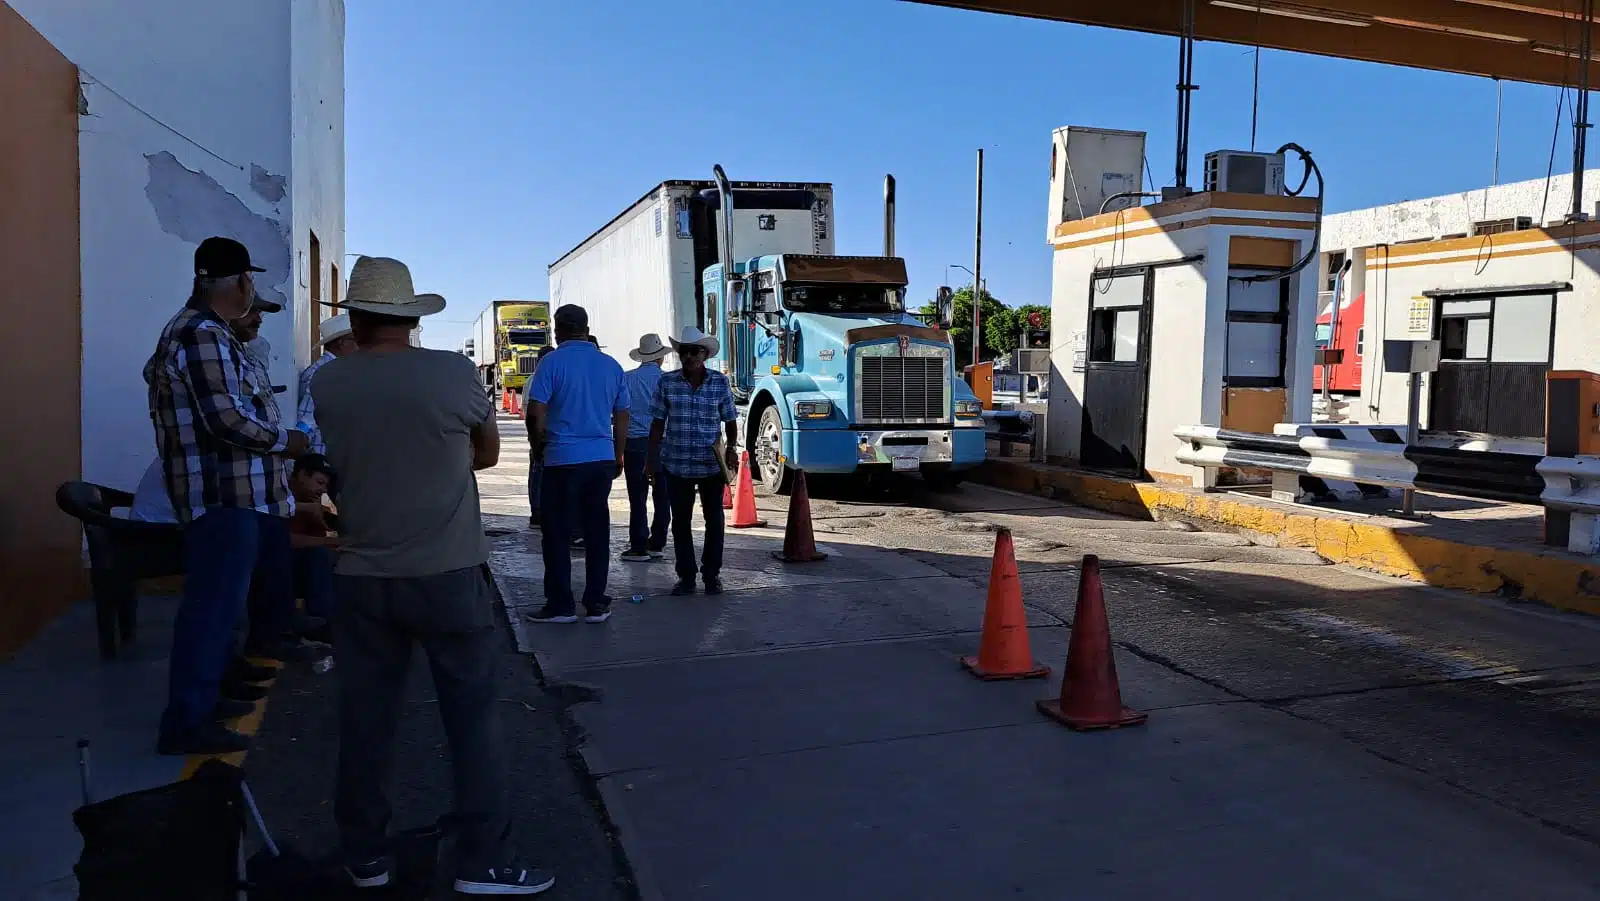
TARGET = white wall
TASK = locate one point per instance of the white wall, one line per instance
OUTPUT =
(186, 133)
(316, 56)
(1454, 214)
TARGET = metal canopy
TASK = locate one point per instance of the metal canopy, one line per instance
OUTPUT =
(1535, 41)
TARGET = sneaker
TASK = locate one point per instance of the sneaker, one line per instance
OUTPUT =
(547, 614)
(232, 708)
(243, 691)
(713, 585)
(368, 873)
(684, 587)
(658, 554)
(633, 556)
(207, 738)
(512, 880)
(598, 613)
(242, 670)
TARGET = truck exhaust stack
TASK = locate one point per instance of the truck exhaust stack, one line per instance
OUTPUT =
(725, 195)
(888, 215)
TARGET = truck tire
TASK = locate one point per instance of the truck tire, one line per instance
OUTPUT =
(768, 474)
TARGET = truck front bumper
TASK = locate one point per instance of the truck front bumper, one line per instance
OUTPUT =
(842, 451)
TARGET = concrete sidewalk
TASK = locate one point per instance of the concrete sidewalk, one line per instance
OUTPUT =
(810, 734)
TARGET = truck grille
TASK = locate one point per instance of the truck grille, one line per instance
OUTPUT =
(902, 389)
(525, 365)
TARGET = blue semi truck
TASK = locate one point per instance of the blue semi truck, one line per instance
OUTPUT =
(830, 372)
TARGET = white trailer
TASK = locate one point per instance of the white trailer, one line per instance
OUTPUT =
(485, 353)
(641, 271)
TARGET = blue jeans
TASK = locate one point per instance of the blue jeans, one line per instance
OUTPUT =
(576, 501)
(313, 579)
(232, 559)
(647, 529)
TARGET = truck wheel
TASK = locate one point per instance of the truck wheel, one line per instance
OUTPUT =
(770, 476)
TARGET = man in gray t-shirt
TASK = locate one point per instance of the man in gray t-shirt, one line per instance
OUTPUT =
(406, 428)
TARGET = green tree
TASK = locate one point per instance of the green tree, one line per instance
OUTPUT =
(961, 328)
(1003, 334)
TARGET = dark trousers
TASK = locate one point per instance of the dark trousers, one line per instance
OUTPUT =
(232, 560)
(377, 622)
(576, 501)
(535, 484)
(313, 579)
(649, 510)
(683, 492)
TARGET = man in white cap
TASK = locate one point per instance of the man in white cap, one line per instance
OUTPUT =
(336, 342)
(692, 409)
(647, 533)
(406, 427)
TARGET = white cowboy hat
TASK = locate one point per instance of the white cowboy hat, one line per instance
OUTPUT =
(649, 350)
(334, 328)
(692, 335)
(382, 285)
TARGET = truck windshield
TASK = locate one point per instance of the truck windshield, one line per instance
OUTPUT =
(842, 298)
(530, 337)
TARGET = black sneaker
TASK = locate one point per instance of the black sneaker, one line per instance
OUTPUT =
(683, 588)
(243, 691)
(658, 553)
(368, 873)
(713, 585)
(242, 670)
(208, 738)
(634, 556)
(232, 708)
(511, 880)
(598, 613)
(548, 614)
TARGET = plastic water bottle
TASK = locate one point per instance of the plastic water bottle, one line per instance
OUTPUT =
(638, 599)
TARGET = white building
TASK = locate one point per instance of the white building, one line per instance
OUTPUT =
(196, 118)
(1510, 291)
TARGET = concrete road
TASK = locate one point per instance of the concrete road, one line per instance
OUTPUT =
(1315, 732)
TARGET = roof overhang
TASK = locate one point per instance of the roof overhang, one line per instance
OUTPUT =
(1518, 40)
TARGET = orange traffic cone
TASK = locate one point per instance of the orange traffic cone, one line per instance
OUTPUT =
(1090, 696)
(744, 500)
(505, 401)
(516, 403)
(799, 545)
(1003, 652)
(727, 497)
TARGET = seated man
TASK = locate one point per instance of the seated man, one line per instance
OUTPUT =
(312, 537)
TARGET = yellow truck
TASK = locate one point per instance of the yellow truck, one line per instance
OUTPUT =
(506, 341)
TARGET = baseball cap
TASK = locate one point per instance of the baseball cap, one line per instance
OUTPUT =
(572, 317)
(261, 304)
(218, 257)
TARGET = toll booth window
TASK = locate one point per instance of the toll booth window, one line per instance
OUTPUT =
(1258, 315)
(1116, 311)
(1464, 329)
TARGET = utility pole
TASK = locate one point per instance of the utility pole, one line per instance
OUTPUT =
(977, 272)
(1580, 118)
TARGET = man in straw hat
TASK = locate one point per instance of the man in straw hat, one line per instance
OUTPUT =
(336, 342)
(405, 428)
(692, 409)
(223, 456)
(647, 534)
(579, 407)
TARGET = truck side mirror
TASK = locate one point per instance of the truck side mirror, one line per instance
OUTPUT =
(945, 304)
(738, 299)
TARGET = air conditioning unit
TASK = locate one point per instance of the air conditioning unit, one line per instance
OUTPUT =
(1244, 172)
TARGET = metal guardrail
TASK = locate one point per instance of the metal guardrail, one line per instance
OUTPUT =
(1571, 484)
(1484, 474)
(1010, 427)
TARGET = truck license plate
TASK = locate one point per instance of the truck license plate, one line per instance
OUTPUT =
(905, 464)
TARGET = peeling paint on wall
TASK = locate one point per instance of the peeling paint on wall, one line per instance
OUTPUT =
(271, 188)
(193, 206)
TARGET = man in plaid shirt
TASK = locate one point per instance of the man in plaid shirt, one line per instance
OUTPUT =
(222, 453)
(336, 342)
(692, 408)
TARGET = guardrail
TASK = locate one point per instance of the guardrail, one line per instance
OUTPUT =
(1571, 501)
(1484, 474)
(1010, 427)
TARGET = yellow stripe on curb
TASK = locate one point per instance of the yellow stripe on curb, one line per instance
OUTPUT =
(247, 725)
(1561, 581)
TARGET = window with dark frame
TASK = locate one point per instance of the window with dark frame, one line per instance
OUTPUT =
(1116, 311)
(1258, 318)
(1335, 263)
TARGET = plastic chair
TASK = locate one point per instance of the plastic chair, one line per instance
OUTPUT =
(121, 552)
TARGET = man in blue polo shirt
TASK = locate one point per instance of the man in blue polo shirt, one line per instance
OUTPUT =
(578, 405)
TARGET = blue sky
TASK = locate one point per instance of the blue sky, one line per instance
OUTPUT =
(486, 137)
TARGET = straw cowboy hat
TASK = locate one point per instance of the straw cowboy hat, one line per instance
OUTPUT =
(692, 335)
(382, 285)
(649, 350)
(334, 328)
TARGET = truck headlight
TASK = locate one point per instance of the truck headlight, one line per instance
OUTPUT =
(813, 409)
(971, 409)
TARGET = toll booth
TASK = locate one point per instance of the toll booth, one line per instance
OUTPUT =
(1177, 313)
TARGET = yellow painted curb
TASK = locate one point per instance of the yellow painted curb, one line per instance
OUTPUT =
(1564, 582)
(249, 725)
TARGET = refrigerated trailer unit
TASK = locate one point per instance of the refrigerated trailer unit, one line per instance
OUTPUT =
(830, 373)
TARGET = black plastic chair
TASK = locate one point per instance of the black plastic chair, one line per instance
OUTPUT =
(121, 552)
